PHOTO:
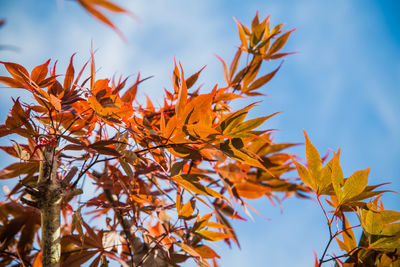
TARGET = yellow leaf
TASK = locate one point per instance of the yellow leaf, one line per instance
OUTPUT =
(325, 178)
(304, 174)
(314, 162)
(355, 184)
(348, 236)
(337, 177)
(372, 222)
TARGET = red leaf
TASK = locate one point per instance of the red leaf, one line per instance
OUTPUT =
(39, 73)
(69, 75)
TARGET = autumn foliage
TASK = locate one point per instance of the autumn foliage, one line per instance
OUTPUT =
(169, 179)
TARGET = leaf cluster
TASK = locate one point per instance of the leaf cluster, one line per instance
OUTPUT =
(380, 228)
(169, 178)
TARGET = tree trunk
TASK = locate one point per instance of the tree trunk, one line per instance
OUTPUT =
(49, 201)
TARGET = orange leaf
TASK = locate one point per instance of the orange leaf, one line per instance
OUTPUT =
(182, 96)
(251, 190)
(17, 71)
(92, 9)
(187, 209)
(279, 43)
(206, 252)
(213, 236)
(263, 80)
(37, 262)
(226, 72)
(314, 162)
(234, 63)
(55, 102)
(39, 73)
(242, 35)
(189, 250)
(11, 82)
(111, 6)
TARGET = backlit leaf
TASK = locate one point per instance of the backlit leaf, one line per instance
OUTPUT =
(355, 184)
(206, 252)
(263, 80)
(39, 73)
(189, 250)
(234, 63)
(242, 35)
(187, 209)
(304, 174)
(314, 162)
(279, 43)
(69, 75)
(337, 176)
(226, 72)
(182, 96)
(37, 262)
(212, 235)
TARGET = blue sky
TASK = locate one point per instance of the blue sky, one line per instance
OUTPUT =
(342, 87)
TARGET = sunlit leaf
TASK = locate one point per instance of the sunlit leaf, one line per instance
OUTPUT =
(212, 235)
(355, 184)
